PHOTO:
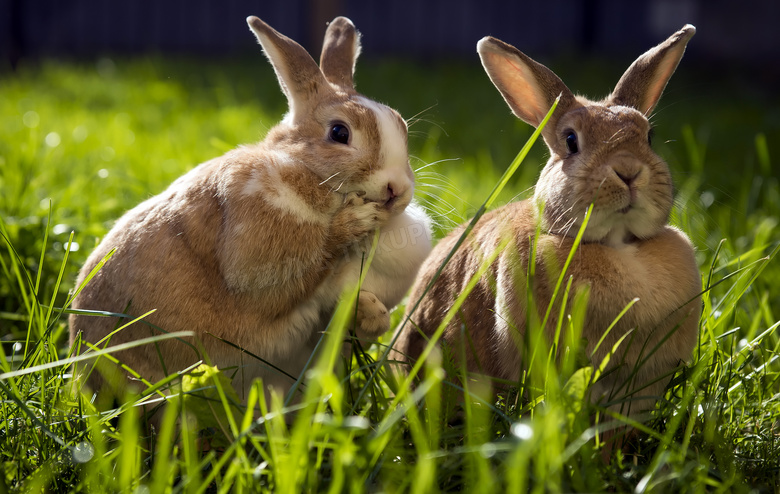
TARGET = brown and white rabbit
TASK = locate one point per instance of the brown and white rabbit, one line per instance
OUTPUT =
(256, 246)
(600, 153)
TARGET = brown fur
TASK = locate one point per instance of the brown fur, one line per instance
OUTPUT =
(628, 250)
(336, 57)
(255, 247)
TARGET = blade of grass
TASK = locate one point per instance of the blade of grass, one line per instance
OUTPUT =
(86, 356)
(488, 202)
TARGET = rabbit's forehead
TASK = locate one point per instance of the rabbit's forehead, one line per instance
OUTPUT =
(603, 122)
(363, 113)
(389, 119)
(349, 111)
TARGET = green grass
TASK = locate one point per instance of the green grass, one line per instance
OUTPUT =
(80, 143)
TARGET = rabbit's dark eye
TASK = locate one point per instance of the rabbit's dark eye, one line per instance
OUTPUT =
(339, 133)
(571, 142)
(650, 134)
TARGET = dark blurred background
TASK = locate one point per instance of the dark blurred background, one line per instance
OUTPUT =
(729, 31)
(727, 90)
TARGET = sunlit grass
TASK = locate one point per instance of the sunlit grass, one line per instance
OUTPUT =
(82, 143)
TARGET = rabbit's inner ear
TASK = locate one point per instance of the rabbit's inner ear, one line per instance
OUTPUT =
(299, 76)
(644, 81)
(528, 87)
(340, 51)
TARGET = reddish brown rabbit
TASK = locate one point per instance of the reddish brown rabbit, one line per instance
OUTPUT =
(600, 154)
(255, 247)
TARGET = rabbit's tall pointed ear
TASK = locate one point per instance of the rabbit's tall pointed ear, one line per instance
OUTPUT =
(299, 76)
(528, 87)
(340, 51)
(644, 82)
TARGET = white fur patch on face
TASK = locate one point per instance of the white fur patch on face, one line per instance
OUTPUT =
(394, 169)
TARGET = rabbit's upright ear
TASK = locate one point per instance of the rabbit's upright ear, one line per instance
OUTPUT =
(644, 81)
(299, 76)
(340, 51)
(528, 87)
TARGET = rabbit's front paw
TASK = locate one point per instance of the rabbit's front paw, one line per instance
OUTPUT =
(357, 218)
(369, 214)
(373, 318)
(355, 198)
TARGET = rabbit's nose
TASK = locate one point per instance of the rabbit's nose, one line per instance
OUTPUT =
(395, 189)
(391, 194)
(627, 179)
(627, 176)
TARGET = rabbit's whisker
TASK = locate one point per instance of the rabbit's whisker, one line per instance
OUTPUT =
(615, 138)
(444, 160)
(437, 187)
(415, 118)
(326, 180)
(568, 223)
(339, 187)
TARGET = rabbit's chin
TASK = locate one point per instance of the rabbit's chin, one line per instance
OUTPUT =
(617, 229)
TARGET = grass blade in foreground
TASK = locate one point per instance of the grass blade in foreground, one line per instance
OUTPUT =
(485, 205)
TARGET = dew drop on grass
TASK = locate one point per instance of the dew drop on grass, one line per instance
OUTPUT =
(522, 431)
(488, 450)
(80, 133)
(83, 452)
(53, 139)
(356, 422)
(259, 470)
(72, 247)
(17, 347)
(107, 153)
(31, 119)
(707, 198)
